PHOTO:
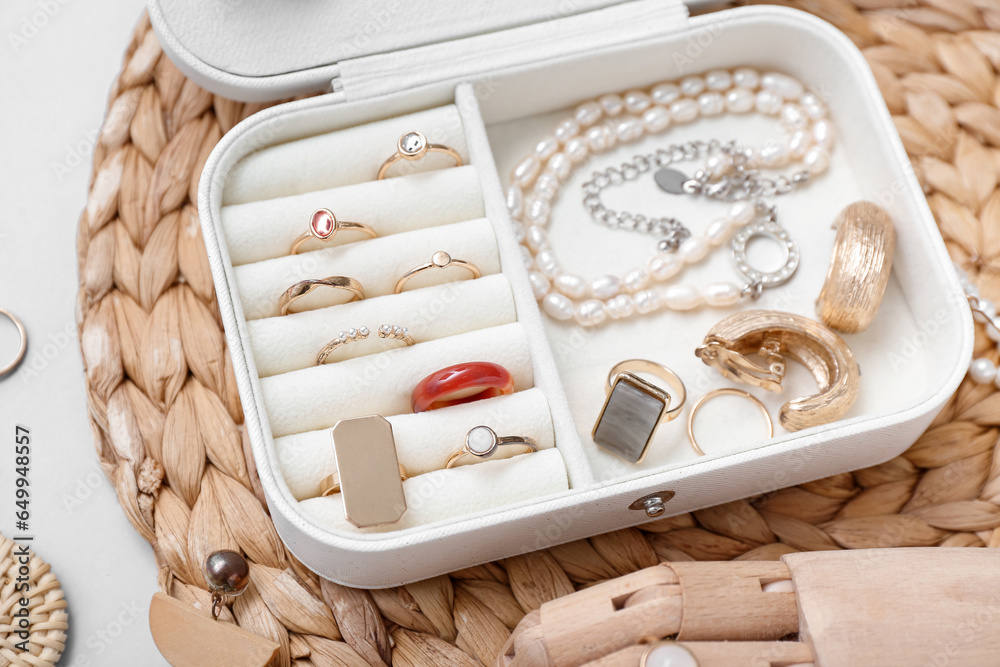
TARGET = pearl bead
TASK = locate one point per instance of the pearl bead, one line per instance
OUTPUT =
(620, 307)
(611, 104)
(665, 93)
(793, 117)
(525, 171)
(226, 571)
(577, 149)
(560, 166)
(782, 85)
(656, 119)
(515, 201)
(566, 129)
(740, 213)
(590, 313)
(746, 77)
(681, 297)
(571, 285)
(740, 100)
(670, 655)
(664, 267)
(993, 332)
(823, 133)
(598, 138)
(798, 143)
(547, 263)
(722, 294)
(684, 110)
(646, 301)
(628, 128)
(536, 210)
(692, 86)
(547, 186)
(546, 148)
(983, 371)
(694, 249)
(814, 106)
(518, 231)
(635, 280)
(636, 101)
(988, 308)
(711, 103)
(773, 155)
(587, 114)
(527, 259)
(768, 102)
(540, 285)
(604, 287)
(718, 79)
(717, 231)
(718, 165)
(557, 306)
(536, 238)
(816, 160)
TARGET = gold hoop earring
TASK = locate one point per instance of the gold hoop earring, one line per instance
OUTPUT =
(773, 336)
(859, 269)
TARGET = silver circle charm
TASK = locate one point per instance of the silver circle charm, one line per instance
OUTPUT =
(776, 232)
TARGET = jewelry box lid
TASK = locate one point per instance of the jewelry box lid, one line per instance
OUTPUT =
(260, 50)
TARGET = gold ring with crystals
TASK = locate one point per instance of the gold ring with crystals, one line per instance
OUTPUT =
(21, 348)
(304, 287)
(324, 225)
(481, 442)
(719, 392)
(386, 331)
(635, 407)
(439, 260)
(412, 146)
(331, 483)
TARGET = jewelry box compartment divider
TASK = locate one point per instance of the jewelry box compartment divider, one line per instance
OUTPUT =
(603, 492)
(450, 320)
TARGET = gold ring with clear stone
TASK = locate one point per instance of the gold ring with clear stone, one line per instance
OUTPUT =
(412, 146)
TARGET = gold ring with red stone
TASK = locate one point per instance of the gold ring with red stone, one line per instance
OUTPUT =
(324, 226)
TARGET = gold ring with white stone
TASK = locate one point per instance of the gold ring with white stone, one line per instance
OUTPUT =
(330, 484)
(635, 407)
(323, 226)
(22, 346)
(439, 260)
(412, 146)
(386, 331)
(481, 442)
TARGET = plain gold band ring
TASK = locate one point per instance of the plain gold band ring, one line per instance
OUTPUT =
(719, 392)
(439, 260)
(412, 146)
(330, 484)
(304, 287)
(21, 349)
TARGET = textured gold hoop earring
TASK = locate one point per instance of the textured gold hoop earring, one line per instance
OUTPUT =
(859, 269)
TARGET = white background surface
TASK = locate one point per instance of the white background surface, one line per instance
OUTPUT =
(57, 61)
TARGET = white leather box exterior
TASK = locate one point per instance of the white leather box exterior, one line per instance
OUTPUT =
(381, 86)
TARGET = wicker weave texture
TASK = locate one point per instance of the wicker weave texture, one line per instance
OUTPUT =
(47, 618)
(167, 419)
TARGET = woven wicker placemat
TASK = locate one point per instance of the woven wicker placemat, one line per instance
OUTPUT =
(46, 620)
(167, 420)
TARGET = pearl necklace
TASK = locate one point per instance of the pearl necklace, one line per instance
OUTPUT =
(982, 370)
(598, 126)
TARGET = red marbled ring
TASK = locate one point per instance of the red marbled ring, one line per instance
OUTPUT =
(461, 383)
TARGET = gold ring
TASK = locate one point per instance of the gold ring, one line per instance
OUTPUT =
(323, 226)
(412, 146)
(719, 392)
(439, 260)
(634, 407)
(330, 484)
(386, 331)
(21, 349)
(481, 442)
(304, 287)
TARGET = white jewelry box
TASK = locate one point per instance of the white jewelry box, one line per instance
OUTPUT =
(508, 76)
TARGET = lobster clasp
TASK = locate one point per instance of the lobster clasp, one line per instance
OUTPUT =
(717, 353)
